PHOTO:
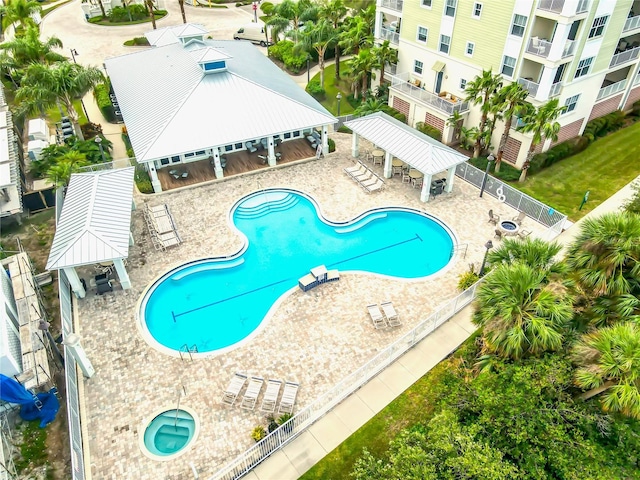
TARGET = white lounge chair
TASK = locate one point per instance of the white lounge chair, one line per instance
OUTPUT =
(392, 317)
(358, 169)
(232, 391)
(376, 316)
(377, 185)
(271, 395)
(251, 395)
(288, 399)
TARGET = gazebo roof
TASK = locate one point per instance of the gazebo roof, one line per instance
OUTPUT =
(408, 144)
(95, 221)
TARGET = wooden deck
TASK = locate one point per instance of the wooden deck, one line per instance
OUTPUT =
(237, 163)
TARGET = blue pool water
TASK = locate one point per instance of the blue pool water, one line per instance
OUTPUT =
(212, 304)
(169, 432)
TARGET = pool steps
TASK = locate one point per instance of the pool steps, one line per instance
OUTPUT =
(169, 435)
(204, 267)
(360, 223)
(275, 205)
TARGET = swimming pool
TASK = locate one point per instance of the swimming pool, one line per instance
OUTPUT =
(214, 304)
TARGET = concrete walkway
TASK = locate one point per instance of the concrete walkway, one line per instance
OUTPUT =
(326, 434)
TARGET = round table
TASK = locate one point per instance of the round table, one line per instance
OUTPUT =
(396, 162)
(413, 173)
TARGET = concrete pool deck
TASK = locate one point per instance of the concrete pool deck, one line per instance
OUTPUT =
(315, 338)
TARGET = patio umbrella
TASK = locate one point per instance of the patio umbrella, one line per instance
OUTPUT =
(43, 406)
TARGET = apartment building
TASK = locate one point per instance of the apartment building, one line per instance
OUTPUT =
(586, 53)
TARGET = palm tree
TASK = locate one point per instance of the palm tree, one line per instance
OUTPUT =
(290, 13)
(44, 86)
(60, 172)
(609, 363)
(384, 54)
(334, 11)
(357, 35)
(542, 123)
(520, 313)
(20, 11)
(369, 106)
(361, 68)
(480, 90)
(28, 49)
(184, 16)
(317, 36)
(511, 100)
(533, 252)
(150, 6)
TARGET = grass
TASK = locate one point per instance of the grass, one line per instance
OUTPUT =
(99, 20)
(603, 168)
(51, 9)
(330, 102)
(413, 406)
(53, 114)
(33, 452)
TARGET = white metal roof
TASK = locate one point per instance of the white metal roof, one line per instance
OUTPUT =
(95, 221)
(408, 144)
(170, 106)
(169, 35)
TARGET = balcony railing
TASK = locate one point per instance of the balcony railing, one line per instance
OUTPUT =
(393, 68)
(392, 4)
(611, 89)
(388, 34)
(529, 86)
(625, 56)
(569, 48)
(555, 6)
(631, 23)
(636, 81)
(539, 47)
(401, 84)
(554, 91)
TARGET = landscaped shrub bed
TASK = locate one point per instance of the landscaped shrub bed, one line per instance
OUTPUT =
(315, 90)
(433, 132)
(506, 173)
(137, 42)
(283, 51)
(101, 94)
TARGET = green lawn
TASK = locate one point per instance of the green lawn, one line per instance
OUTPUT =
(53, 114)
(603, 168)
(330, 102)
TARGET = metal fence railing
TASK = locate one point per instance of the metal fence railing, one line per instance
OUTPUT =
(306, 417)
(522, 202)
(341, 120)
(120, 163)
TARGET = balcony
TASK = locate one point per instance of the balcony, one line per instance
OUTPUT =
(401, 84)
(554, 6)
(391, 35)
(392, 4)
(554, 91)
(538, 47)
(631, 23)
(529, 85)
(611, 89)
(624, 57)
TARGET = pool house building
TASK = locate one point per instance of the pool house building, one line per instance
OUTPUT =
(198, 100)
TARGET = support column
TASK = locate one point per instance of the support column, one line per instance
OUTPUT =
(123, 276)
(387, 168)
(451, 175)
(217, 166)
(355, 152)
(131, 241)
(74, 280)
(157, 186)
(325, 140)
(425, 193)
(272, 152)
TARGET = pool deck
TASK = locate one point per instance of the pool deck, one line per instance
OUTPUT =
(315, 338)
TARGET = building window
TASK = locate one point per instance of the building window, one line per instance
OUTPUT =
(571, 103)
(598, 26)
(189, 154)
(164, 161)
(583, 67)
(450, 8)
(228, 148)
(202, 152)
(425, 3)
(469, 50)
(287, 135)
(508, 66)
(518, 26)
(477, 10)
(296, 133)
(463, 84)
(445, 41)
(422, 34)
(238, 146)
(417, 67)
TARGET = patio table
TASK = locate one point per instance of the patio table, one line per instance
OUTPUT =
(413, 173)
(396, 162)
(377, 155)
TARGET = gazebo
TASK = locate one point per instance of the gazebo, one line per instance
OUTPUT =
(418, 150)
(94, 225)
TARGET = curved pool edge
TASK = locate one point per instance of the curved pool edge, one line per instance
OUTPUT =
(152, 342)
(149, 418)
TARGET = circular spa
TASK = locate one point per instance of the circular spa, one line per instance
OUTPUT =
(168, 434)
(508, 227)
(215, 304)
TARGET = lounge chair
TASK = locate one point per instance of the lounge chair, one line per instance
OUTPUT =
(519, 218)
(378, 185)
(232, 391)
(251, 395)
(368, 182)
(392, 317)
(271, 395)
(376, 316)
(288, 399)
(358, 169)
(493, 218)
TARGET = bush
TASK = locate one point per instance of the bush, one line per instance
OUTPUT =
(143, 181)
(599, 127)
(121, 15)
(466, 279)
(343, 129)
(101, 94)
(138, 42)
(332, 145)
(315, 90)
(433, 132)
(633, 204)
(506, 173)
(283, 51)
(267, 8)
(559, 152)
(90, 130)
(258, 433)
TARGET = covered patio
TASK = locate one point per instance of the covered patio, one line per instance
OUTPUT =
(402, 142)
(94, 227)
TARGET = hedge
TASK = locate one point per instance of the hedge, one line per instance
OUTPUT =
(283, 51)
(433, 132)
(101, 94)
(315, 90)
(506, 173)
